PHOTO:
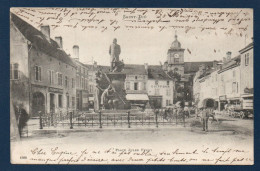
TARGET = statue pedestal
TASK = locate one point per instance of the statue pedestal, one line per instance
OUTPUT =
(118, 81)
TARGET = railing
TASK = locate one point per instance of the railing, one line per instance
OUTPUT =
(123, 119)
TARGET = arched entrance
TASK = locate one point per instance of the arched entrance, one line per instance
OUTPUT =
(38, 103)
(207, 103)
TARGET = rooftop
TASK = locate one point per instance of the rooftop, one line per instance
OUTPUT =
(38, 40)
(156, 72)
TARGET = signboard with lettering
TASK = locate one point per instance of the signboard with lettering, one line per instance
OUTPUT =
(55, 90)
(223, 98)
(160, 86)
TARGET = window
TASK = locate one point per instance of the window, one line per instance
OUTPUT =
(82, 82)
(51, 77)
(78, 81)
(38, 73)
(135, 86)
(127, 85)
(68, 101)
(91, 88)
(168, 92)
(60, 100)
(14, 71)
(66, 81)
(234, 87)
(157, 92)
(144, 86)
(234, 73)
(168, 83)
(86, 84)
(176, 60)
(168, 102)
(72, 83)
(136, 77)
(73, 102)
(59, 79)
(246, 59)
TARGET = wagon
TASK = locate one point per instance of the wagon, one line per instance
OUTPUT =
(244, 110)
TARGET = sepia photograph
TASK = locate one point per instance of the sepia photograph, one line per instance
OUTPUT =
(131, 86)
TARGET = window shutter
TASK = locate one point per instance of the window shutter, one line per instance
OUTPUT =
(35, 73)
(57, 78)
(40, 73)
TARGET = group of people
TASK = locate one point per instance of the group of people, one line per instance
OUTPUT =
(183, 111)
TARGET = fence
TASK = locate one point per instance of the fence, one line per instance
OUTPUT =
(123, 119)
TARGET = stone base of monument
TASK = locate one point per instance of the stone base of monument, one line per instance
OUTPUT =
(118, 81)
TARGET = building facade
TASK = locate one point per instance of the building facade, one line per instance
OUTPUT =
(247, 75)
(49, 69)
(231, 82)
(136, 78)
(81, 82)
(160, 87)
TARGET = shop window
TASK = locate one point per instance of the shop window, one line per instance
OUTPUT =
(14, 71)
(60, 101)
(38, 73)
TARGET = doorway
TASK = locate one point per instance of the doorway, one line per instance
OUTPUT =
(52, 102)
(38, 103)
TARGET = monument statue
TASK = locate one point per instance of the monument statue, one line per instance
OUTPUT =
(114, 52)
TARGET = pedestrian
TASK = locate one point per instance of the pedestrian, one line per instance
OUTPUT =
(186, 111)
(205, 118)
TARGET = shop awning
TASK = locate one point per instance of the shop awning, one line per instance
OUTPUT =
(137, 97)
(247, 95)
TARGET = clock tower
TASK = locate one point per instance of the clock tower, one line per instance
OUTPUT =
(175, 57)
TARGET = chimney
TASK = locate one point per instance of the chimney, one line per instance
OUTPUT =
(59, 41)
(45, 29)
(95, 64)
(224, 60)
(228, 55)
(146, 66)
(76, 52)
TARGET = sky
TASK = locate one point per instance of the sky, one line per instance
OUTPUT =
(139, 46)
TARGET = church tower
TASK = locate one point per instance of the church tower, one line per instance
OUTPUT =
(175, 57)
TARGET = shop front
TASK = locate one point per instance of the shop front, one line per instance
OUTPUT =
(155, 101)
(222, 102)
(137, 101)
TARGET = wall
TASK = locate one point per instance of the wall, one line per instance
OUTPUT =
(247, 72)
(19, 89)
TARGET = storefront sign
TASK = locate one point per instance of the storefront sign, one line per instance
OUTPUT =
(55, 90)
(223, 98)
(160, 86)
